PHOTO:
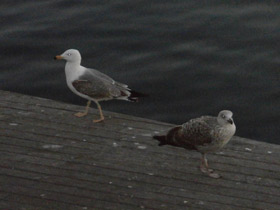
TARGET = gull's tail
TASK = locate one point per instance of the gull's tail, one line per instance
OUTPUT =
(161, 139)
(171, 138)
(129, 95)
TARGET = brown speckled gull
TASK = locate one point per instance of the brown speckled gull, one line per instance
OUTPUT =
(204, 134)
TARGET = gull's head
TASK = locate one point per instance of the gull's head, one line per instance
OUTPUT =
(70, 55)
(225, 118)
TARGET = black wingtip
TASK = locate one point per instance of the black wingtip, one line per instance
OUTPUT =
(135, 95)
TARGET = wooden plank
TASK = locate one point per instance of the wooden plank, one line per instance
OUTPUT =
(241, 155)
(95, 146)
(113, 194)
(76, 164)
(45, 105)
(20, 198)
(135, 133)
(103, 177)
(16, 205)
(246, 168)
(189, 185)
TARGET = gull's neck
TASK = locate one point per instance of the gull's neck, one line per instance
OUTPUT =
(229, 130)
(72, 71)
(70, 65)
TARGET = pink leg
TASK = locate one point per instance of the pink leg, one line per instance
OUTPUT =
(205, 168)
(82, 114)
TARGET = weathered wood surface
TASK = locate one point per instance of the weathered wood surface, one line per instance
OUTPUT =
(53, 160)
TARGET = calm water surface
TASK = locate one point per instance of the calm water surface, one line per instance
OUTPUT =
(191, 57)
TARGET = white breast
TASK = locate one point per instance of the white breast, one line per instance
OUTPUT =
(227, 133)
(73, 72)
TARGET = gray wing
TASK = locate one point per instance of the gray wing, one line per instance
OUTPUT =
(104, 77)
(98, 87)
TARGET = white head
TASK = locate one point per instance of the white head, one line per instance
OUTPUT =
(70, 55)
(225, 118)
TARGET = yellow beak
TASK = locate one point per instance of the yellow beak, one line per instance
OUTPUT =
(58, 57)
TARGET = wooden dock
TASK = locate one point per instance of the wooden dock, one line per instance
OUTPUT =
(53, 160)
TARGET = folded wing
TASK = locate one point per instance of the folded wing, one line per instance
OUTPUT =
(99, 86)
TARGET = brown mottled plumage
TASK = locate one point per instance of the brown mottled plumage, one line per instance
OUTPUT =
(204, 134)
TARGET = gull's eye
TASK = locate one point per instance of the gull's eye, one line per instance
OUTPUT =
(68, 54)
(223, 116)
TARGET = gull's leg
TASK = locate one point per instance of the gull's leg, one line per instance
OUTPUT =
(82, 114)
(206, 164)
(203, 164)
(205, 168)
(100, 112)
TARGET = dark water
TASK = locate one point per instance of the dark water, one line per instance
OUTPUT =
(191, 57)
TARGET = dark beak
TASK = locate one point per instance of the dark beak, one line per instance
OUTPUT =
(230, 121)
